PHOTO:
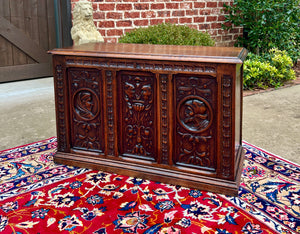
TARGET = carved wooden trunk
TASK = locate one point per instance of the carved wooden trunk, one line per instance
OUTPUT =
(166, 113)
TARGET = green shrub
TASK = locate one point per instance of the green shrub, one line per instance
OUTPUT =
(267, 24)
(271, 69)
(167, 34)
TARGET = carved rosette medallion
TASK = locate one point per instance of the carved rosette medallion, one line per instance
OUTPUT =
(194, 114)
(194, 136)
(85, 109)
(137, 105)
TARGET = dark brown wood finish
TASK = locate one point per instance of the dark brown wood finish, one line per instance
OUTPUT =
(165, 113)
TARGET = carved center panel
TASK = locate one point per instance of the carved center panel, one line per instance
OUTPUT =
(138, 119)
(194, 114)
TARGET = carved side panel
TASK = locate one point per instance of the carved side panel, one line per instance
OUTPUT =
(195, 121)
(86, 112)
(226, 166)
(60, 108)
(137, 123)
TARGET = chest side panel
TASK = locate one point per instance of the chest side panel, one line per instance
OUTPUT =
(195, 121)
(86, 117)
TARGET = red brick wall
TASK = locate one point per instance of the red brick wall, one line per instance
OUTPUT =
(113, 18)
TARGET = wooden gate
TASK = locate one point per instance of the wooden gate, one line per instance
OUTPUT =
(27, 32)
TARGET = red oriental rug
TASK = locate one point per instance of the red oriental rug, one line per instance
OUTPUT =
(38, 196)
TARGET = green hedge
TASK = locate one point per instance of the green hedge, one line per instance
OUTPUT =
(168, 34)
(267, 24)
(271, 69)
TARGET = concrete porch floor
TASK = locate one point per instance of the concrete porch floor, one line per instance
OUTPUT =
(271, 120)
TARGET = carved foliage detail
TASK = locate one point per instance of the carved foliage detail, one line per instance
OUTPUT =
(227, 125)
(85, 112)
(164, 118)
(137, 104)
(178, 67)
(110, 113)
(62, 141)
(194, 135)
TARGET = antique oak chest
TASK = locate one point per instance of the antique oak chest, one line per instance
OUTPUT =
(167, 113)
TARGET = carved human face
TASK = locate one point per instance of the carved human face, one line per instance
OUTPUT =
(194, 114)
(195, 108)
(138, 93)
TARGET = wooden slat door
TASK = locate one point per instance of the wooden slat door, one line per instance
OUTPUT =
(27, 32)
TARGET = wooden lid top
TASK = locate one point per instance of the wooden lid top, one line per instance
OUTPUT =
(157, 52)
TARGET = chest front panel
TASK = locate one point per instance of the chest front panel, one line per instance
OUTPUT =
(171, 121)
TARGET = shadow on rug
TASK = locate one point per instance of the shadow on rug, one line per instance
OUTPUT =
(38, 196)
